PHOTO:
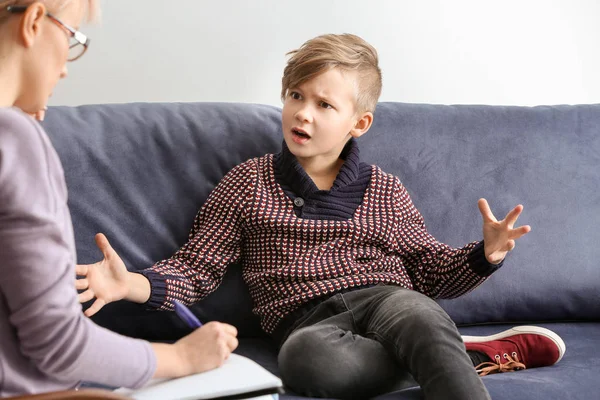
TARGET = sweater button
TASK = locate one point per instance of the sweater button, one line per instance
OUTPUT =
(298, 201)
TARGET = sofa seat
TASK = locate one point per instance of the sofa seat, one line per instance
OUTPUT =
(575, 377)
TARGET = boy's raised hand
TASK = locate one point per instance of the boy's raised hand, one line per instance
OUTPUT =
(107, 280)
(499, 236)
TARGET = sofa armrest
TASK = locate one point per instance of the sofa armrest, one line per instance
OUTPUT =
(83, 394)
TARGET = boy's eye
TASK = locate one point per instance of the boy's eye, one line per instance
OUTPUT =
(325, 105)
(295, 95)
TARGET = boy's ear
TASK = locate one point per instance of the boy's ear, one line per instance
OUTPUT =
(30, 26)
(362, 124)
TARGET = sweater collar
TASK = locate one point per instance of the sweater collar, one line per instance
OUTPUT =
(296, 177)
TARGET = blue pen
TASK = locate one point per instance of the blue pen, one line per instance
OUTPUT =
(186, 315)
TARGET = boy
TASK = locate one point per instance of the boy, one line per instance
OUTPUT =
(339, 264)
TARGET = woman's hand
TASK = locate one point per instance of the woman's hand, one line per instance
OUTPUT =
(202, 350)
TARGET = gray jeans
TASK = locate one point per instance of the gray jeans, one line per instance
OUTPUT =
(371, 341)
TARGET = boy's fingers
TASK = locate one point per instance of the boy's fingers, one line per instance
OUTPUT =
(95, 307)
(511, 245)
(518, 232)
(103, 244)
(513, 215)
(86, 296)
(486, 212)
(81, 284)
(81, 270)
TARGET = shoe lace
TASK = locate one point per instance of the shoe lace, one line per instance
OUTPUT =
(512, 364)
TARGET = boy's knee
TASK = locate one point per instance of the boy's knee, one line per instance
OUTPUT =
(311, 366)
(304, 355)
(415, 310)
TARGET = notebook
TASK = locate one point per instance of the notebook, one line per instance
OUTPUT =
(238, 378)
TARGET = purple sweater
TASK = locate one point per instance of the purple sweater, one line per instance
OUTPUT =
(46, 343)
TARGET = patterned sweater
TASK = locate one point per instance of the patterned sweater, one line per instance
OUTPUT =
(295, 249)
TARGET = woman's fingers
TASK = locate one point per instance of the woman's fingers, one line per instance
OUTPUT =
(232, 343)
(230, 329)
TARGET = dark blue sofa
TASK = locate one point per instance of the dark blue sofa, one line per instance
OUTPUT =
(140, 172)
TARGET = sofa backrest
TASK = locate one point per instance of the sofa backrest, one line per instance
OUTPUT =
(546, 158)
(140, 172)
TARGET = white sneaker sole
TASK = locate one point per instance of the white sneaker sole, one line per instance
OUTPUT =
(519, 330)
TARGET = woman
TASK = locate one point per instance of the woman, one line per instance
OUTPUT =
(46, 343)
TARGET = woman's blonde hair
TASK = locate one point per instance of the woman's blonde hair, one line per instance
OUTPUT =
(347, 52)
(91, 13)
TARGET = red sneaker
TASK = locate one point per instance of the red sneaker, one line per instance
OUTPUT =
(517, 348)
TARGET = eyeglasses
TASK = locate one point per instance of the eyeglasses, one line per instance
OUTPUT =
(78, 42)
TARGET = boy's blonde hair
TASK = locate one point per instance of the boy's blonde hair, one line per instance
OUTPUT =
(346, 52)
(92, 11)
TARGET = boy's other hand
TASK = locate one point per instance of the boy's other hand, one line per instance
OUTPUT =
(499, 236)
(107, 280)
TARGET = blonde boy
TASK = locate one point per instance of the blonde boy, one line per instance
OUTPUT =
(338, 261)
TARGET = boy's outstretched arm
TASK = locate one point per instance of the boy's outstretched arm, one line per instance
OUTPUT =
(195, 270)
(440, 271)
(499, 236)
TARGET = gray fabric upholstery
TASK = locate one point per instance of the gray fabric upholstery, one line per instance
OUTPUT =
(140, 172)
(547, 158)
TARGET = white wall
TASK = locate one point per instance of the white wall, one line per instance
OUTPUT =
(521, 52)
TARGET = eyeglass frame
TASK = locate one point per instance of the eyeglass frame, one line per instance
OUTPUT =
(81, 39)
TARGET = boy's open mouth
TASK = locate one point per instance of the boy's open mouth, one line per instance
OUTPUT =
(300, 133)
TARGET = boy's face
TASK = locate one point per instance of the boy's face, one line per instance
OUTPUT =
(320, 116)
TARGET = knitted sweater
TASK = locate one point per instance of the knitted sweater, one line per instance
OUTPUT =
(297, 243)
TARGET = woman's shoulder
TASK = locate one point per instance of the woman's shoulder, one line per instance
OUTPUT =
(13, 117)
(26, 153)
(19, 129)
